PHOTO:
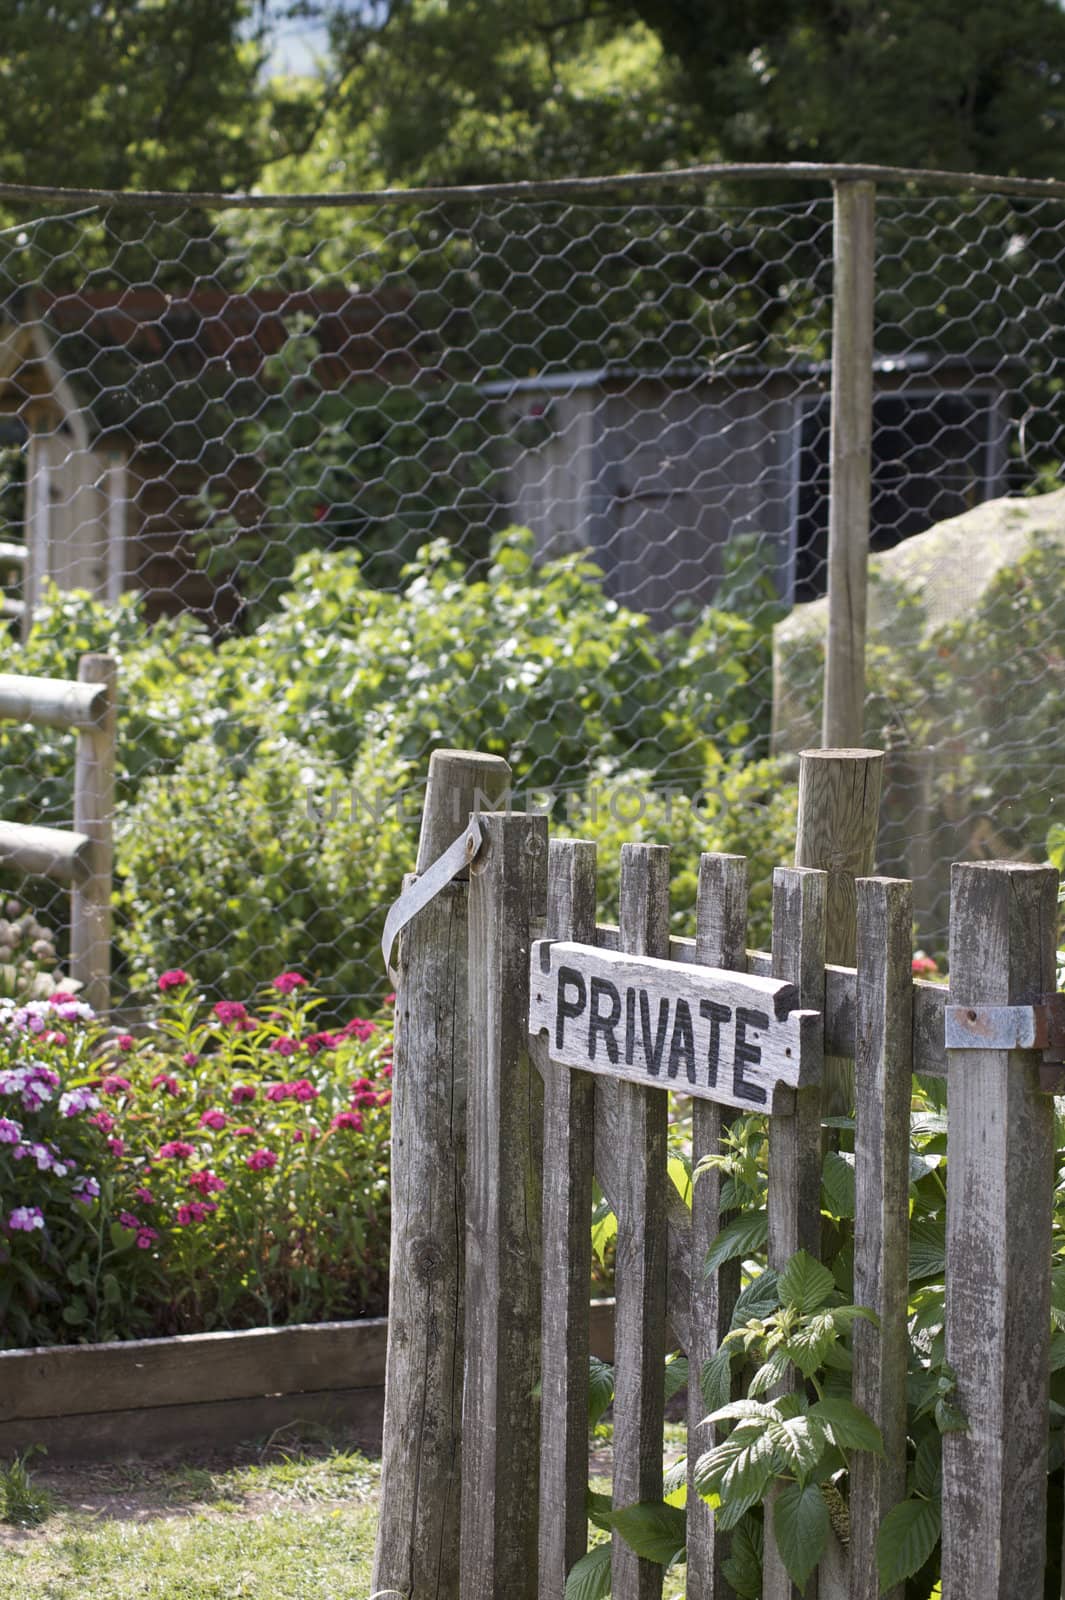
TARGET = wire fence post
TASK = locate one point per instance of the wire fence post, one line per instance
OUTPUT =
(94, 807)
(850, 452)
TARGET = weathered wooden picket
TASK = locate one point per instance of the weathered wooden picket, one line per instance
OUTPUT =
(572, 1033)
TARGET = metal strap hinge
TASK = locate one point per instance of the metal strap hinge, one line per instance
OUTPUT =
(1036, 1027)
(459, 855)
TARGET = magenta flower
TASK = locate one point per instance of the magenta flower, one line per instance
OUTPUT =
(347, 1119)
(167, 1082)
(128, 1220)
(364, 1093)
(76, 1101)
(103, 1120)
(113, 1084)
(241, 1092)
(230, 1010)
(10, 1132)
(206, 1182)
(25, 1218)
(189, 1059)
(244, 1132)
(174, 979)
(213, 1119)
(303, 1091)
(287, 981)
(357, 1028)
(285, 1046)
(125, 1041)
(194, 1211)
(261, 1159)
(85, 1191)
(146, 1237)
(385, 1097)
(117, 1148)
(278, 1091)
(321, 1041)
(145, 1196)
(176, 1150)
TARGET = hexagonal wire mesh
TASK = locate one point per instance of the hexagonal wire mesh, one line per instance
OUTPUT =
(543, 475)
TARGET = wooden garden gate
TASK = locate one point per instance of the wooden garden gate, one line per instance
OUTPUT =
(533, 1050)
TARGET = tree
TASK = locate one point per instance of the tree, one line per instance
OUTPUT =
(131, 93)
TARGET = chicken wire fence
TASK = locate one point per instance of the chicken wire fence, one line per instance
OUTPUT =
(546, 475)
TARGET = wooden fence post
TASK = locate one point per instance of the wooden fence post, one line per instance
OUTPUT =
(94, 809)
(500, 1414)
(569, 1139)
(850, 448)
(794, 1203)
(720, 941)
(417, 1551)
(883, 1084)
(1000, 1192)
(836, 831)
(640, 1295)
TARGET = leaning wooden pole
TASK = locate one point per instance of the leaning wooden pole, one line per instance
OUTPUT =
(94, 809)
(418, 1530)
(850, 452)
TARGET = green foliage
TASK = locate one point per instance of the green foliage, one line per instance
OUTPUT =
(23, 1504)
(269, 785)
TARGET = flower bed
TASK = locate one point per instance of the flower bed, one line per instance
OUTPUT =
(227, 1170)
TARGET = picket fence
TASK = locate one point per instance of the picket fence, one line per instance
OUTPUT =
(497, 1139)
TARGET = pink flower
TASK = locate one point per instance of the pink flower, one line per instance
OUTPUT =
(241, 1092)
(287, 981)
(189, 1059)
(313, 1132)
(61, 998)
(359, 1029)
(194, 1211)
(117, 1148)
(167, 1082)
(125, 1041)
(145, 1196)
(230, 1011)
(244, 1132)
(213, 1119)
(115, 1085)
(103, 1120)
(303, 1091)
(128, 1220)
(206, 1182)
(321, 1041)
(55, 1036)
(174, 979)
(261, 1159)
(146, 1237)
(176, 1150)
(386, 1071)
(285, 1046)
(24, 1219)
(277, 1091)
(347, 1119)
(385, 1097)
(922, 964)
(390, 999)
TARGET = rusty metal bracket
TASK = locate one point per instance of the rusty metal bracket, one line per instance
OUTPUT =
(1036, 1027)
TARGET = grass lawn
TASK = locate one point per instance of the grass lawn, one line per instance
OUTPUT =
(291, 1523)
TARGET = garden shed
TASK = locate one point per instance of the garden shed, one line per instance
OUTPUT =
(131, 401)
(656, 472)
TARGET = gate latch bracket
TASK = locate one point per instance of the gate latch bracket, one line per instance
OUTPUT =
(1036, 1027)
(458, 857)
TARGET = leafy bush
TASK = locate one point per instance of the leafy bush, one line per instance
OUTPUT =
(229, 1169)
(268, 785)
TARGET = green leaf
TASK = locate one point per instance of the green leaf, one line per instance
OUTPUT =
(743, 1236)
(676, 1374)
(604, 1232)
(849, 1425)
(600, 1509)
(928, 1467)
(655, 1531)
(837, 1184)
(758, 1300)
(589, 1578)
(809, 1345)
(800, 1442)
(600, 1388)
(716, 1379)
(907, 1537)
(770, 1373)
(743, 1568)
(805, 1283)
(800, 1527)
(928, 1248)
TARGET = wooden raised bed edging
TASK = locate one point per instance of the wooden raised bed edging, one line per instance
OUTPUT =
(203, 1391)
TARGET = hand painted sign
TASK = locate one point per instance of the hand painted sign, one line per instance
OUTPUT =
(724, 1036)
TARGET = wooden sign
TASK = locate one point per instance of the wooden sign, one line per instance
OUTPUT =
(724, 1036)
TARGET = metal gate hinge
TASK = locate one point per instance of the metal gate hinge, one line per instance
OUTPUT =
(1036, 1027)
(459, 855)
